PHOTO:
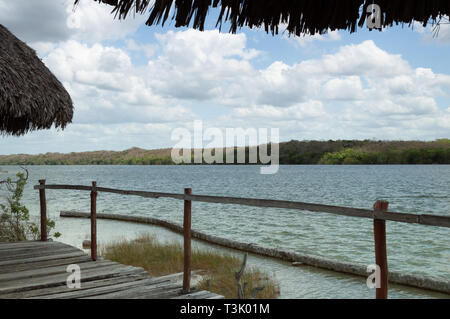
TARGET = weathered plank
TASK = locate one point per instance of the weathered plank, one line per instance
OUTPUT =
(432, 220)
(38, 253)
(35, 259)
(34, 273)
(45, 263)
(25, 244)
(19, 250)
(60, 279)
(97, 290)
(142, 291)
(86, 285)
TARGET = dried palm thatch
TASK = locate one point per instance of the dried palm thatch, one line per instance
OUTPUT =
(31, 97)
(299, 16)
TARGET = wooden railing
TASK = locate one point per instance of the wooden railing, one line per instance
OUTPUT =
(379, 214)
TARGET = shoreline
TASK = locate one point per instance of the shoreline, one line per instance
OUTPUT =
(415, 281)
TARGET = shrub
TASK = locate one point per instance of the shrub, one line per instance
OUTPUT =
(15, 222)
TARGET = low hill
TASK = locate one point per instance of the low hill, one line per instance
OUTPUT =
(292, 152)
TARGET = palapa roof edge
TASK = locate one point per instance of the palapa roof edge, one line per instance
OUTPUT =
(299, 16)
(31, 97)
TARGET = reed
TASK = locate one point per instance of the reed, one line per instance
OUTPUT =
(217, 269)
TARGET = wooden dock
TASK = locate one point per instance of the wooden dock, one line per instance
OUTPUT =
(37, 269)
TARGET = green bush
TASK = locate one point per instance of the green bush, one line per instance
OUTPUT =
(15, 224)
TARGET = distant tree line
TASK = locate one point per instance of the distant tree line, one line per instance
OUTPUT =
(292, 152)
(365, 152)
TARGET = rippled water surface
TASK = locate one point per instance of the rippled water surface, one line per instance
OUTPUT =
(411, 189)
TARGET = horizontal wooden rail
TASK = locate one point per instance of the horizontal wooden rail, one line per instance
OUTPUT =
(424, 219)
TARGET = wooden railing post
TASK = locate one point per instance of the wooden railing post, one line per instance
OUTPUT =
(94, 221)
(187, 242)
(379, 230)
(43, 202)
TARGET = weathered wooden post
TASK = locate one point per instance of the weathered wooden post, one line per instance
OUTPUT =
(187, 243)
(43, 202)
(94, 221)
(379, 230)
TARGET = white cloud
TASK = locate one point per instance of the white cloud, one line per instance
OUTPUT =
(107, 88)
(148, 49)
(305, 40)
(358, 59)
(343, 88)
(197, 65)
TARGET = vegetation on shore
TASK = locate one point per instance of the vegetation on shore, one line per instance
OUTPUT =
(365, 152)
(293, 152)
(218, 270)
(15, 224)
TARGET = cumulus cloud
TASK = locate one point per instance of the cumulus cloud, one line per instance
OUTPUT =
(108, 88)
(197, 65)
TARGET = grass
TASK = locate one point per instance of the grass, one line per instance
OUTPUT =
(217, 269)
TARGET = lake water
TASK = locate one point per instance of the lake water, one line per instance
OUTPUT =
(411, 189)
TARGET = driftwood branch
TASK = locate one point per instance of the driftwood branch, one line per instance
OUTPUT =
(238, 275)
(240, 289)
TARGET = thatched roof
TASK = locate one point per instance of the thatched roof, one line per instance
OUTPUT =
(300, 16)
(31, 97)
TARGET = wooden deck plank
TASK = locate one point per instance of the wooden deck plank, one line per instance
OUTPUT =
(25, 244)
(140, 292)
(42, 258)
(86, 285)
(38, 270)
(60, 279)
(44, 264)
(61, 269)
(162, 293)
(38, 253)
(38, 245)
(30, 253)
(109, 288)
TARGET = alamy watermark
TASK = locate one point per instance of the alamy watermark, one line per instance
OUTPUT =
(374, 279)
(191, 148)
(74, 279)
(374, 15)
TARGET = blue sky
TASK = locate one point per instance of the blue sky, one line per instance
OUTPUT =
(132, 85)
